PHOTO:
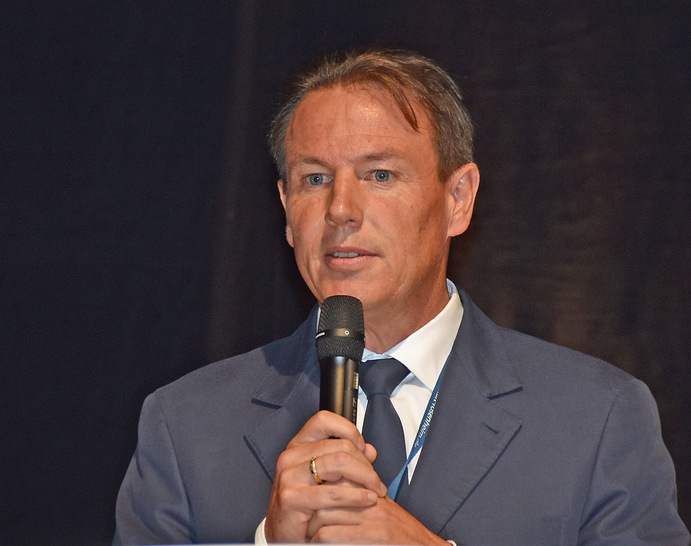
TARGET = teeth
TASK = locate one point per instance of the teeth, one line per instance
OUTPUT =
(346, 254)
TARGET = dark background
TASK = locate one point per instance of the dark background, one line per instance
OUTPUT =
(142, 235)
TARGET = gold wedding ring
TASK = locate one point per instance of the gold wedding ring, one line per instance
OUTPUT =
(313, 470)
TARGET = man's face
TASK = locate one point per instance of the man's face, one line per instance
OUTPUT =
(366, 212)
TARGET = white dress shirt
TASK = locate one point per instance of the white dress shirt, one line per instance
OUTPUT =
(424, 353)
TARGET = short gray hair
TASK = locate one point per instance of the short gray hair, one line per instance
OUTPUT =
(407, 76)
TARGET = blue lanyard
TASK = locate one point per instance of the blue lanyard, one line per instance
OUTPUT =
(419, 438)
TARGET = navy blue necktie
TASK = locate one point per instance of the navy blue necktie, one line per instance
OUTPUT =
(382, 427)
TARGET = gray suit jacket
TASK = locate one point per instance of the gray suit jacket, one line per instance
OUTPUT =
(530, 444)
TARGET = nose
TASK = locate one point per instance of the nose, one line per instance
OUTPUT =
(347, 202)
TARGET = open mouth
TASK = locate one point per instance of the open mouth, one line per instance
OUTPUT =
(346, 254)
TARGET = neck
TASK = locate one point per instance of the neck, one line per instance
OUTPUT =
(387, 327)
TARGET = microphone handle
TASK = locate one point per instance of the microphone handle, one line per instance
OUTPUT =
(338, 391)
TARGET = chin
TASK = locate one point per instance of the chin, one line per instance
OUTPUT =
(345, 290)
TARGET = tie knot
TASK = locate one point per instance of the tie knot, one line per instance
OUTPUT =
(381, 376)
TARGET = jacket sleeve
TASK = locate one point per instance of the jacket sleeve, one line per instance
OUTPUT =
(152, 505)
(632, 497)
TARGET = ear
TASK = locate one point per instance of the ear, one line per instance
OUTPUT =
(282, 192)
(463, 185)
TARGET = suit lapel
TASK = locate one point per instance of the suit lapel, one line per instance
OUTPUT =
(291, 387)
(469, 431)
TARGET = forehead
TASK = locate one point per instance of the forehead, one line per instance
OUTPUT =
(352, 117)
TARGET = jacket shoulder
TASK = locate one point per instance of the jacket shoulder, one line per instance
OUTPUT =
(534, 357)
(239, 376)
(501, 357)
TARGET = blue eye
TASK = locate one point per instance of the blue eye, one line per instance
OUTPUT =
(381, 175)
(316, 179)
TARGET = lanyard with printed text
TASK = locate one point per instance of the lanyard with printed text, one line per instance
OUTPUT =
(419, 438)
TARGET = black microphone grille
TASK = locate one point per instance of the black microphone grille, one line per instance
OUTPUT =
(341, 312)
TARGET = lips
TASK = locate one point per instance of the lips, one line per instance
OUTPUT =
(347, 253)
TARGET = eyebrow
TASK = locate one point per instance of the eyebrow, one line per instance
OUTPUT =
(307, 160)
(380, 156)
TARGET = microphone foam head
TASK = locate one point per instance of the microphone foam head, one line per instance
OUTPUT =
(341, 312)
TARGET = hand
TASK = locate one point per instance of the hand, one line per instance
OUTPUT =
(383, 523)
(344, 462)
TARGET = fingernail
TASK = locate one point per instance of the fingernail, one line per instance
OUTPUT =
(361, 443)
(372, 496)
(382, 489)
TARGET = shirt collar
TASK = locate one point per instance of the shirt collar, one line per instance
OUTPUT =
(425, 351)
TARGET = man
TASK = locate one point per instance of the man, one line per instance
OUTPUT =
(528, 443)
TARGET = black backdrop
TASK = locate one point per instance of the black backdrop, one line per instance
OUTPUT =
(141, 232)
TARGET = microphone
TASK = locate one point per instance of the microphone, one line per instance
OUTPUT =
(340, 344)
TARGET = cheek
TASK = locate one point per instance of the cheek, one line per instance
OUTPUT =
(424, 234)
(300, 225)
(424, 222)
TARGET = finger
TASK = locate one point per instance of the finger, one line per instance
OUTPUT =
(298, 456)
(340, 465)
(307, 500)
(324, 425)
(292, 505)
(332, 467)
(370, 453)
(383, 523)
(334, 516)
(345, 534)
(325, 534)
